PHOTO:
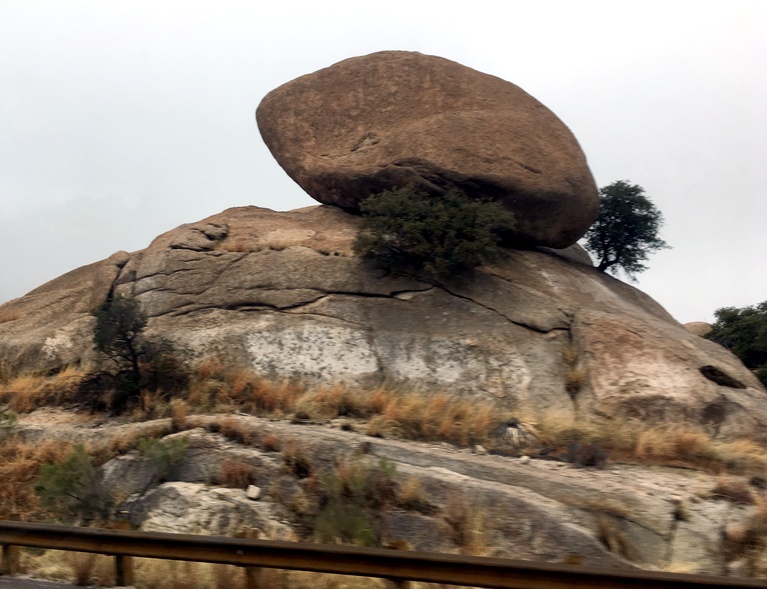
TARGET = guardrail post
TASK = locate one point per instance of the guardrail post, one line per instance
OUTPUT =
(10, 561)
(252, 574)
(123, 570)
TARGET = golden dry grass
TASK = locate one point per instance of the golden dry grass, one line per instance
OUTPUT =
(672, 445)
(9, 315)
(20, 464)
(25, 393)
(236, 474)
(470, 524)
(216, 386)
(235, 246)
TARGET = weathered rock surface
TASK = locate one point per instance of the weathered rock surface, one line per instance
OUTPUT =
(535, 509)
(282, 293)
(394, 118)
(700, 328)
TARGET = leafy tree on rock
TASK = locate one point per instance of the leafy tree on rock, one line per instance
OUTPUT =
(407, 230)
(626, 231)
(744, 333)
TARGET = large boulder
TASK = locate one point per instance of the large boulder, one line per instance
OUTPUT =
(395, 118)
(283, 293)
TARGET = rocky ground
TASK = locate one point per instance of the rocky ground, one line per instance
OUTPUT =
(622, 515)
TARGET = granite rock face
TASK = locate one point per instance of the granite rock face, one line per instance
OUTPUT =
(283, 293)
(397, 118)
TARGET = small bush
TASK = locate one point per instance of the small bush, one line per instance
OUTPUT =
(296, 461)
(407, 230)
(73, 488)
(164, 455)
(234, 430)
(586, 454)
(411, 496)
(469, 524)
(20, 464)
(179, 411)
(354, 497)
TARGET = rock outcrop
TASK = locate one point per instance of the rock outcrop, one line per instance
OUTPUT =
(282, 293)
(395, 118)
(627, 516)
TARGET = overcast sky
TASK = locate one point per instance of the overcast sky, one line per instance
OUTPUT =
(122, 120)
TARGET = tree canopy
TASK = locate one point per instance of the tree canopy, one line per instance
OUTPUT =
(744, 332)
(626, 231)
(407, 230)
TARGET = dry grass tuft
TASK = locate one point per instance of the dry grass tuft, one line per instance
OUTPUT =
(9, 315)
(296, 460)
(271, 443)
(683, 444)
(216, 386)
(469, 523)
(235, 430)
(20, 464)
(236, 474)
(83, 565)
(25, 393)
(410, 495)
(438, 417)
(236, 246)
(179, 411)
(613, 537)
(734, 490)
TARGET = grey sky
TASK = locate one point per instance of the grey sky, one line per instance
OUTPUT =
(122, 120)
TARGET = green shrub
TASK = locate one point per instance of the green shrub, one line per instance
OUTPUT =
(410, 231)
(164, 455)
(73, 488)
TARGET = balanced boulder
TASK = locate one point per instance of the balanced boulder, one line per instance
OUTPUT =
(396, 118)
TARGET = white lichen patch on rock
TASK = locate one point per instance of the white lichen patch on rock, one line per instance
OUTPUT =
(310, 350)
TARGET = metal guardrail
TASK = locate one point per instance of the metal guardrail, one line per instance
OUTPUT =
(398, 566)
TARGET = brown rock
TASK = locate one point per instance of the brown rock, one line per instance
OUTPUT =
(700, 328)
(389, 119)
(52, 326)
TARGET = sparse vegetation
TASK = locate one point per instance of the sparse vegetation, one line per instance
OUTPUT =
(20, 464)
(469, 524)
(164, 455)
(296, 460)
(576, 376)
(354, 495)
(26, 392)
(236, 474)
